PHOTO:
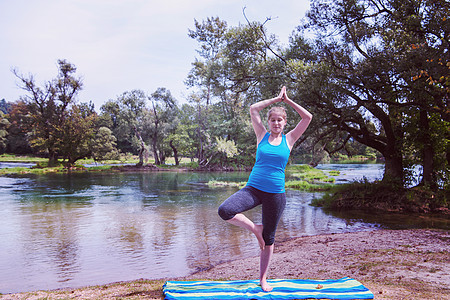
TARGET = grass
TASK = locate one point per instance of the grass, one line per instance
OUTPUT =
(300, 177)
(41, 166)
(307, 178)
(215, 183)
(307, 173)
(306, 186)
(23, 170)
(22, 158)
(334, 172)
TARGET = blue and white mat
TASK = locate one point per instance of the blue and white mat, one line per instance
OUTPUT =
(344, 288)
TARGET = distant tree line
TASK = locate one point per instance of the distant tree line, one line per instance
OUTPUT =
(374, 73)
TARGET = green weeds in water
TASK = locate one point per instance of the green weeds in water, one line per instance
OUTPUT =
(307, 173)
(306, 186)
(215, 183)
(307, 178)
(23, 170)
(101, 168)
(334, 172)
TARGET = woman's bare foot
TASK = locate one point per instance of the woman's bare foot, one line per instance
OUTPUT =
(258, 233)
(265, 286)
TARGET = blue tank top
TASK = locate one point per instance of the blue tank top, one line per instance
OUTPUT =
(268, 172)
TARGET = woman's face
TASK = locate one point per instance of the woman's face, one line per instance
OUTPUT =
(276, 123)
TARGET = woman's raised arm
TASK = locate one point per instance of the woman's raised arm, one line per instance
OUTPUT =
(293, 135)
(258, 126)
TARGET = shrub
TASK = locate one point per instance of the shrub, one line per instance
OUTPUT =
(383, 196)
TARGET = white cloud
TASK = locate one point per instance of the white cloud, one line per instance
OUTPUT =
(119, 45)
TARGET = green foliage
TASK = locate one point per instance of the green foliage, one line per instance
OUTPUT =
(78, 132)
(227, 147)
(220, 184)
(4, 124)
(103, 145)
(162, 122)
(128, 114)
(370, 82)
(16, 158)
(48, 107)
(5, 107)
(35, 170)
(101, 168)
(233, 59)
(124, 113)
(21, 124)
(308, 174)
(304, 185)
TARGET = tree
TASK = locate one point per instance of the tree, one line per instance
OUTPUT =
(20, 128)
(127, 114)
(77, 133)
(104, 145)
(4, 124)
(49, 106)
(5, 107)
(161, 123)
(228, 77)
(211, 36)
(362, 83)
(226, 150)
(184, 135)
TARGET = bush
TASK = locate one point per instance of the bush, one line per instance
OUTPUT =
(384, 197)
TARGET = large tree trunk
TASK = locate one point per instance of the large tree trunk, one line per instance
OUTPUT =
(393, 168)
(52, 159)
(155, 153)
(427, 151)
(175, 153)
(162, 158)
(141, 149)
(392, 152)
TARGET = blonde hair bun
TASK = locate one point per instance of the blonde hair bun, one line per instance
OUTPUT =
(279, 110)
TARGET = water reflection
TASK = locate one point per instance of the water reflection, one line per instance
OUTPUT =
(73, 230)
(354, 172)
(16, 164)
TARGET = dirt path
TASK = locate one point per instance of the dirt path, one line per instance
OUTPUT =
(393, 264)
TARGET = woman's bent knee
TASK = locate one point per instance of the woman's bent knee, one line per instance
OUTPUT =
(269, 240)
(224, 213)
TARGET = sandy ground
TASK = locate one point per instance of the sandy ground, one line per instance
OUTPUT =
(393, 264)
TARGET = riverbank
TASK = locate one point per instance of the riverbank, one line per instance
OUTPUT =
(393, 264)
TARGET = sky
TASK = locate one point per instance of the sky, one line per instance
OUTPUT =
(120, 45)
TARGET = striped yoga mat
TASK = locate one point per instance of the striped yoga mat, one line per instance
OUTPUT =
(344, 288)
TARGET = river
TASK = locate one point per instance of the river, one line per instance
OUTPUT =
(73, 230)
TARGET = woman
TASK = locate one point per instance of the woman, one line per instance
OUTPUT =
(266, 182)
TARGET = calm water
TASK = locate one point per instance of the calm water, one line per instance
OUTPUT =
(75, 230)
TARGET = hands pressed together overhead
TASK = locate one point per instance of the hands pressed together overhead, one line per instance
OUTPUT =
(283, 94)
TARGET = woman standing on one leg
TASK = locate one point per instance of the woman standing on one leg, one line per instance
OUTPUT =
(266, 182)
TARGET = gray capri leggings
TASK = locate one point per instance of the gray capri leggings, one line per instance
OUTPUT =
(250, 197)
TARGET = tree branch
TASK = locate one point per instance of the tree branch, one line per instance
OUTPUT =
(263, 35)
